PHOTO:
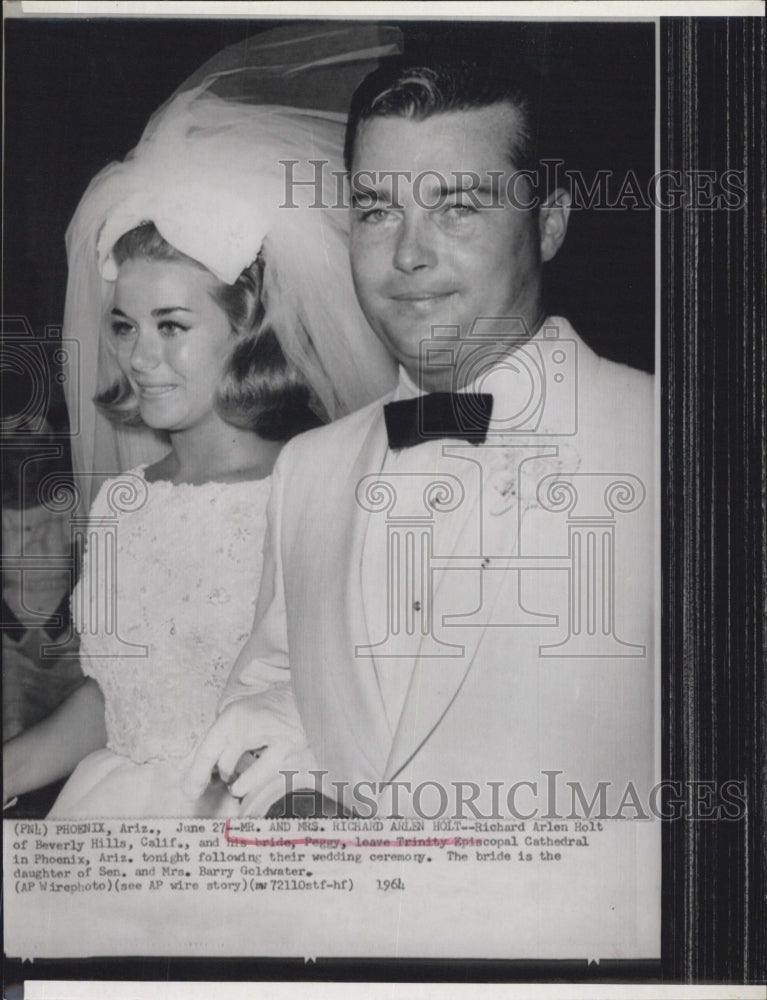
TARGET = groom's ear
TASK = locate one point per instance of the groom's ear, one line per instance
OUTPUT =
(552, 222)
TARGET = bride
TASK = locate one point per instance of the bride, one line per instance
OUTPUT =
(225, 323)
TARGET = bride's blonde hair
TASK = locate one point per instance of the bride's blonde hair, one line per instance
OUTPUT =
(260, 389)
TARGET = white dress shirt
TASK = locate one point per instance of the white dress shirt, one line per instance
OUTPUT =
(512, 382)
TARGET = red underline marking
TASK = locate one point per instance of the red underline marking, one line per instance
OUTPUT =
(320, 841)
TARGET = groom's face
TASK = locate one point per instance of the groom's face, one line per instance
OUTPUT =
(439, 234)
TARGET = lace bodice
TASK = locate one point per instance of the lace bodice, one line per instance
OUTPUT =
(183, 583)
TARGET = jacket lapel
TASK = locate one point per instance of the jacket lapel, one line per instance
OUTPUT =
(355, 690)
(481, 529)
(436, 680)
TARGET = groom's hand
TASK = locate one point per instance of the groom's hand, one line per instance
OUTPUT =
(268, 723)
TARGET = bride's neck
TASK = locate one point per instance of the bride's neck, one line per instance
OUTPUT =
(218, 452)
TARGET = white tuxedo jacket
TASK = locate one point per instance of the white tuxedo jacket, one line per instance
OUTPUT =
(536, 666)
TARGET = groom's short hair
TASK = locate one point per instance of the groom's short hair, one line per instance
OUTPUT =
(402, 89)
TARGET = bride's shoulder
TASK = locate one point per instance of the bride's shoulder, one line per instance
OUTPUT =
(120, 491)
(156, 472)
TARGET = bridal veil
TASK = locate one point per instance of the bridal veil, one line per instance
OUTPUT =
(245, 156)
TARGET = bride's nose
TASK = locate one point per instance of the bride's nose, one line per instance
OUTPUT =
(147, 351)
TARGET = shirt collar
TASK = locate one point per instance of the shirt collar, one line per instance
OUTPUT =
(504, 376)
(406, 387)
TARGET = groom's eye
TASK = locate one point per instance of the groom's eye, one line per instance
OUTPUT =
(372, 214)
(462, 208)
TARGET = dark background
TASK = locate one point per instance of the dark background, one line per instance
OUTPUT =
(79, 93)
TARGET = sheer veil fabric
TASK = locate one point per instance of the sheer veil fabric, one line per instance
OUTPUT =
(219, 170)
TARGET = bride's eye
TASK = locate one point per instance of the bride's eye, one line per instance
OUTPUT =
(122, 329)
(170, 328)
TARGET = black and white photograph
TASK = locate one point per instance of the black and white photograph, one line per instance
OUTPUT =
(383, 467)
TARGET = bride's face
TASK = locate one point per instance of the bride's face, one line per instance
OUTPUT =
(171, 340)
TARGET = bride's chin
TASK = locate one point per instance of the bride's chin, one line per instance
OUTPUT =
(157, 421)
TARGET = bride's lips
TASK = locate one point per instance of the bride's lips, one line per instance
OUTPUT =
(421, 300)
(154, 391)
(425, 296)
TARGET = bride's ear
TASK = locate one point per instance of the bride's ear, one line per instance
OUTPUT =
(552, 222)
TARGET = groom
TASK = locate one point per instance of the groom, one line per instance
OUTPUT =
(459, 578)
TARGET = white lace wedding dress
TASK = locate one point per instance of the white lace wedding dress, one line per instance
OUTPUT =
(188, 563)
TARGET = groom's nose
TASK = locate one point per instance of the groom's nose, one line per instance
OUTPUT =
(413, 248)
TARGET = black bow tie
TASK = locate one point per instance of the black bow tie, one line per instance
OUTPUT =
(438, 415)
